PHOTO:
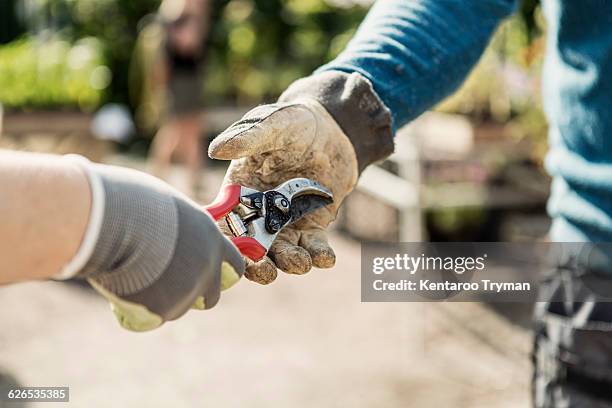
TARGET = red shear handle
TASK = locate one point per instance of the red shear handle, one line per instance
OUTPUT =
(249, 247)
(226, 200)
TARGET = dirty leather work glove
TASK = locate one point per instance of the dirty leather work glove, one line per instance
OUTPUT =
(326, 127)
(151, 251)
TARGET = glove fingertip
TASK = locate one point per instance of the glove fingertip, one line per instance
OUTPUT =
(131, 316)
(229, 276)
(211, 298)
(321, 253)
(294, 260)
(263, 272)
(233, 258)
(324, 258)
(199, 304)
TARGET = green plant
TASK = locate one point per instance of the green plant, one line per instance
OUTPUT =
(53, 72)
(258, 47)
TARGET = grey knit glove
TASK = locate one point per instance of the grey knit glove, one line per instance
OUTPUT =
(156, 253)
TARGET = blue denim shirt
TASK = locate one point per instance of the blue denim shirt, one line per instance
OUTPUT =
(416, 52)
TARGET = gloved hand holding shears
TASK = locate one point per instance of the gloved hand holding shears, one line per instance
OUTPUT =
(150, 250)
(154, 253)
(327, 128)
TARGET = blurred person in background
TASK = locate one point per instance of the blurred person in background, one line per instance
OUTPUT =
(406, 57)
(174, 76)
(147, 248)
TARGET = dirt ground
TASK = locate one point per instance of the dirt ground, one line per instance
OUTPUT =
(304, 341)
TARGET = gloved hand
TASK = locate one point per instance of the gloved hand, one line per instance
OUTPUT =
(326, 127)
(152, 252)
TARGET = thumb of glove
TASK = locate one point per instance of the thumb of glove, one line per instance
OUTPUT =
(263, 129)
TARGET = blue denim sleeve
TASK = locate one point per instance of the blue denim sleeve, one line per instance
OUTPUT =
(416, 52)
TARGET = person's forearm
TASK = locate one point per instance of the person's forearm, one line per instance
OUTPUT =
(44, 211)
(415, 53)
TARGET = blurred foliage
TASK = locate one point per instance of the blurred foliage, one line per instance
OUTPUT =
(111, 24)
(506, 84)
(258, 47)
(53, 73)
(115, 23)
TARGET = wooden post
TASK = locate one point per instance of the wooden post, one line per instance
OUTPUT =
(408, 162)
(401, 190)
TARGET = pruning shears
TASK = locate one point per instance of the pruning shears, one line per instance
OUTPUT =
(256, 217)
